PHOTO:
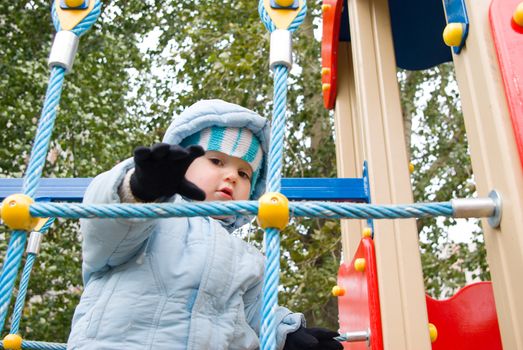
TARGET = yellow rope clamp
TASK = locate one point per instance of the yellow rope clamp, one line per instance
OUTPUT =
(282, 18)
(273, 211)
(15, 212)
(12, 342)
(69, 18)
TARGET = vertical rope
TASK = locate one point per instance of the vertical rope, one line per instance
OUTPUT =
(272, 235)
(24, 283)
(36, 162)
(20, 300)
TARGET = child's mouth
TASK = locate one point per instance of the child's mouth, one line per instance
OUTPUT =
(226, 193)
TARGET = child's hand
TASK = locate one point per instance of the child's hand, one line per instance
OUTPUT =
(159, 171)
(312, 339)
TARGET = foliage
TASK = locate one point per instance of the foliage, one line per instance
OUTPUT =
(142, 63)
(439, 152)
(145, 61)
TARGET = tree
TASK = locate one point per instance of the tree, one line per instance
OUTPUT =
(124, 92)
(439, 151)
(145, 61)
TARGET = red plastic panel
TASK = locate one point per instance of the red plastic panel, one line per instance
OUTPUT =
(329, 49)
(467, 321)
(508, 41)
(359, 308)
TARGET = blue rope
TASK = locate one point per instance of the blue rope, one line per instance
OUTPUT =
(36, 163)
(330, 210)
(22, 290)
(10, 271)
(272, 236)
(20, 299)
(40, 345)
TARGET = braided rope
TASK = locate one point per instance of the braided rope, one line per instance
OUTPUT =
(24, 283)
(330, 210)
(272, 236)
(10, 271)
(40, 345)
(36, 162)
(20, 299)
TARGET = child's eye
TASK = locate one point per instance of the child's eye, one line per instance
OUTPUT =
(216, 161)
(244, 175)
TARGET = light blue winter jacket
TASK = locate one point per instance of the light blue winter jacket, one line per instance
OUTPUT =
(179, 283)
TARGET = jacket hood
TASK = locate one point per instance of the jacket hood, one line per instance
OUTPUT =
(207, 113)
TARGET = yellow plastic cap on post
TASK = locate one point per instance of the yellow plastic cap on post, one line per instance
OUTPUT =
(338, 291)
(284, 3)
(273, 211)
(359, 264)
(325, 7)
(433, 331)
(15, 212)
(74, 3)
(518, 15)
(367, 232)
(12, 342)
(453, 33)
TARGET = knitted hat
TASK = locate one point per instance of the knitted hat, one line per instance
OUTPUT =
(236, 142)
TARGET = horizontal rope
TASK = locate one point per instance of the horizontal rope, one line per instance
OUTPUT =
(297, 209)
(40, 345)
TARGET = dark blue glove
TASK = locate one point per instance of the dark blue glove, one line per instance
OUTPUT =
(312, 339)
(159, 171)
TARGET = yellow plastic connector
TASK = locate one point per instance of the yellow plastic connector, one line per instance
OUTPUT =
(411, 168)
(284, 3)
(366, 232)
(325, 87)
(359, 264)
(518, 15)
(12, 342)
(70, 17)
(433, 331)
(74, 3)
(453, 33)
(15, 212)
(325, 7)
(338, 291)
(325, 71)
(283, 17)
(273, 211)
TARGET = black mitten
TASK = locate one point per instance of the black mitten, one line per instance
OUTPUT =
(159, 171)
(312, 339)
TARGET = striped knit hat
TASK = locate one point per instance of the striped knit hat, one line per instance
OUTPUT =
(236, 142)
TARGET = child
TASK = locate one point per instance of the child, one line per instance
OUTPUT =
(182, 283)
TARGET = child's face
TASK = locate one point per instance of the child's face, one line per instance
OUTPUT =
(221, 177)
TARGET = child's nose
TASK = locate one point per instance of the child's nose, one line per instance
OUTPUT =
(231, 175)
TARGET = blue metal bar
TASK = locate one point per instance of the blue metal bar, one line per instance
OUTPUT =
(317, 189)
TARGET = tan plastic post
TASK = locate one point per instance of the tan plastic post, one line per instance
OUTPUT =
(349, 154)
(496, 166)
(402, 294)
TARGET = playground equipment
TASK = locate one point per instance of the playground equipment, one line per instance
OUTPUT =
(391, 301)
(487, 59)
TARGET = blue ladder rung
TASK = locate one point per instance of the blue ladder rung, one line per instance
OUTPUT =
(331, 189)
